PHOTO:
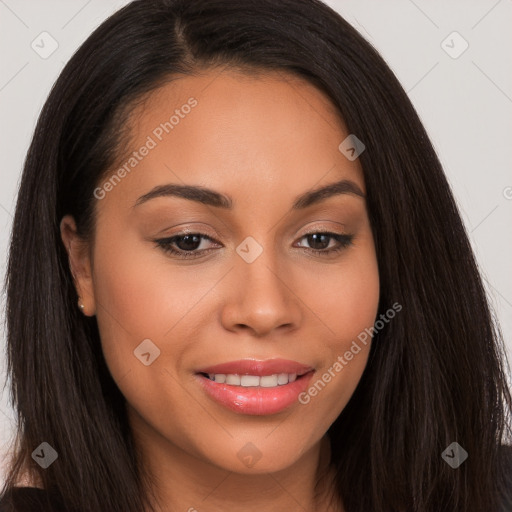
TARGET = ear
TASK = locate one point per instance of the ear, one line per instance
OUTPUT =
(80, 264)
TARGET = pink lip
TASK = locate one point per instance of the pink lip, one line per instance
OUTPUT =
(260, 368)
(257, 400)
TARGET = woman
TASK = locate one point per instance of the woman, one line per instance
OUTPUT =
(238, 280)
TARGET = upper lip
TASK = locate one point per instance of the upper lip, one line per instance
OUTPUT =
(258, 367)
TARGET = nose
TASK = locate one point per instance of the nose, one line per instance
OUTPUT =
(263, 297)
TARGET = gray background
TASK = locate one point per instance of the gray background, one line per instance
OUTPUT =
(465, 104)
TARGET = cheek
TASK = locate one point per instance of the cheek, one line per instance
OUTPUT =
(141, 295)
(129, 295)
(346, 295)
(346, 300)
(139, 291)
(138, 298)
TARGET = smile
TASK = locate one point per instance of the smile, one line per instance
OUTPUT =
(265, 381)
(256, 387)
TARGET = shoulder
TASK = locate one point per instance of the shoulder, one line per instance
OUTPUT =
(28, 499)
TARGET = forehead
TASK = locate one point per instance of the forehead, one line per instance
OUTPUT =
(246, 90)
(272, 131)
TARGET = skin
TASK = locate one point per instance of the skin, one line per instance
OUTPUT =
(263, 140)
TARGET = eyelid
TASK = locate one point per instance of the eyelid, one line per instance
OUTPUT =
(200, 230)
(324, 229)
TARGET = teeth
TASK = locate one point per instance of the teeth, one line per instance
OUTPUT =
(266, 381)
(282, 378)
(233, 379)
(249, 380)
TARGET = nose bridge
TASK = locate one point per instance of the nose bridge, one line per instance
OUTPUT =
(263, 298)
(257, 267)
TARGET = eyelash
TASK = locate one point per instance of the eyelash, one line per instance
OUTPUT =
(344, 240)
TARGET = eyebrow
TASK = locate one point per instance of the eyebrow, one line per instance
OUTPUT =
(213, 198)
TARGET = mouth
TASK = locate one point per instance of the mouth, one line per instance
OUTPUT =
(256, 387)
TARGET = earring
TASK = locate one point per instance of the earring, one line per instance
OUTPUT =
(80, 305)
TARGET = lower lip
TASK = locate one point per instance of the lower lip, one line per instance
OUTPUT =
(256, 400)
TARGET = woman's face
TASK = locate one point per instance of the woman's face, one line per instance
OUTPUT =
(253, 288)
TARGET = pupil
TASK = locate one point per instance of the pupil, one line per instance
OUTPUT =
(187, 238)
(315, 237)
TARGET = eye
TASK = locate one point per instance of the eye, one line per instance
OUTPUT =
(188, 245)
(320, 242)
